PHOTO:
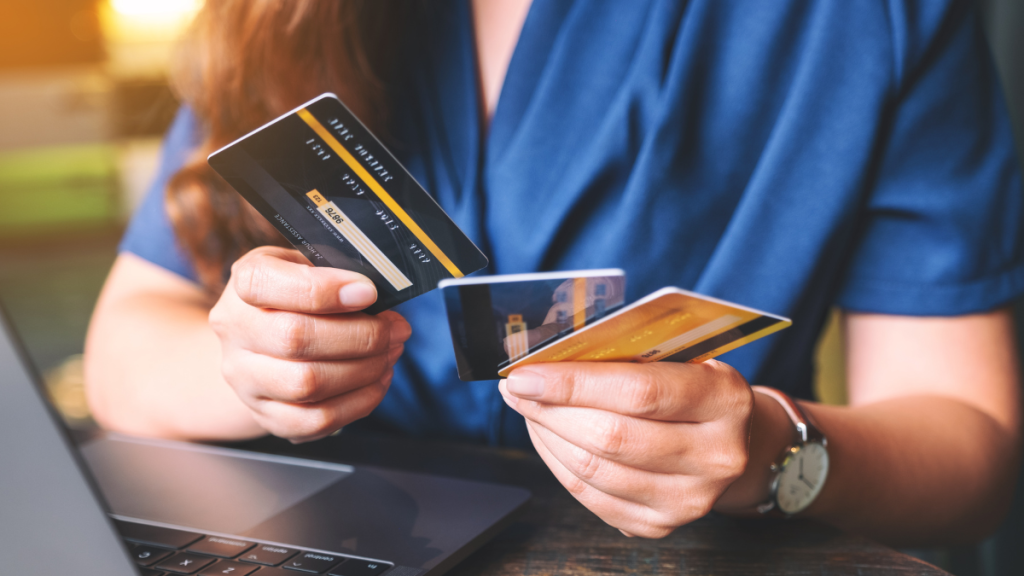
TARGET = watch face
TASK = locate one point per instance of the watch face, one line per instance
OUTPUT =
(801, 478)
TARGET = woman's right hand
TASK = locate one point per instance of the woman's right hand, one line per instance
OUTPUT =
(296, 348)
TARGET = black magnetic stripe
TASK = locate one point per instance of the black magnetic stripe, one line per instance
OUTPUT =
(727, 337)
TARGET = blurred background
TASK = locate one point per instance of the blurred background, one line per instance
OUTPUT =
(84, 101)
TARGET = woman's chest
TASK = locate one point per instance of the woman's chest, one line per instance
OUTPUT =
(661, 137)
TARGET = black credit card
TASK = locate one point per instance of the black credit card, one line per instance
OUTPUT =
(337, 194)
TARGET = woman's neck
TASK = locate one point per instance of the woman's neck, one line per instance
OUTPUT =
(496, 24)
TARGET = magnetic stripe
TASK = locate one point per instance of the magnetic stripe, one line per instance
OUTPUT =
(674, 345)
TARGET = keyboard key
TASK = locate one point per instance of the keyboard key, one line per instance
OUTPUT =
(185, 563)
(356, 567)
(271, 571)
(220, 547)
(313, 562)
(229, 567)
(155, 535)
(268, 555)
(148, 555)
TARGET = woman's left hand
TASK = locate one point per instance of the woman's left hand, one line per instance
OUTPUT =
(646, 447)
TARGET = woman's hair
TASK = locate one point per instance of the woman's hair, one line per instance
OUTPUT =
(245, 62)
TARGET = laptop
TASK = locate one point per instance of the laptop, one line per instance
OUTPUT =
(119, 505)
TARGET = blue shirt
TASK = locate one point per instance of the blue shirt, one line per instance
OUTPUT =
(789, 156)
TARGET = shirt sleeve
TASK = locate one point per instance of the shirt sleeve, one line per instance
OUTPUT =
(149, 234)
(940, 233)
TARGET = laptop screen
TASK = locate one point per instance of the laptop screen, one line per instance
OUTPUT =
(51, 517)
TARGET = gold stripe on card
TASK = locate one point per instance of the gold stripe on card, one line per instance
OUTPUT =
(342, 223)
(370, 181)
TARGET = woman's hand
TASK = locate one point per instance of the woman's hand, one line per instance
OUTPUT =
(297, 351)
(647, 447)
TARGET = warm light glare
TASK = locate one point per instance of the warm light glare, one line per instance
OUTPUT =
(140, 34)
(147, 20)
(156, 7)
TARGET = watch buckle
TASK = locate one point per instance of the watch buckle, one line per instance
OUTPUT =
(801, 427)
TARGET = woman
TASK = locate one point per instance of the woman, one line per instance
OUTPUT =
(786, 156)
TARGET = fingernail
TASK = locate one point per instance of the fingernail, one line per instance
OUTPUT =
(358, 295)
(509, 399)
(400, 331)
(525, 384)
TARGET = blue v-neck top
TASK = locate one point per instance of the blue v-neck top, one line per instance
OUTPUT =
(789, 156)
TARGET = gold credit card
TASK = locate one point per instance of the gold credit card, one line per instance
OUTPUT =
(671, 324)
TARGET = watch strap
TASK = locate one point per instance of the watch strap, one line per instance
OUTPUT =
(805, 428)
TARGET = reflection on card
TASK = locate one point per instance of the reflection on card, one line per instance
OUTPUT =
(501, 319)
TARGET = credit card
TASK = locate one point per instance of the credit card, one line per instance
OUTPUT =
(336, 193)
(497, 320)
(671, 325)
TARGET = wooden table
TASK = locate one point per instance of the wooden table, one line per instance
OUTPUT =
(557, 535)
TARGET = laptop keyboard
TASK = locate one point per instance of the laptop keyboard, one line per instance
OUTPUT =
(168, 552)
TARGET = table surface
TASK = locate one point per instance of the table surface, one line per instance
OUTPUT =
(557, 535)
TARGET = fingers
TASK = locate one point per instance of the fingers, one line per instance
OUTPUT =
(295, 348)
(258, 378)
(658, 391)
(606, 475)
(678, 498)
(662, 447)
(646, 447)
(636, 519)
(306, 422)
(291, 336)
(272, 277)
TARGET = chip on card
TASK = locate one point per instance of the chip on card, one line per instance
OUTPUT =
(498, 320)
(336, 193)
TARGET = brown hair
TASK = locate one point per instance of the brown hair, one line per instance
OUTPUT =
(243, 63)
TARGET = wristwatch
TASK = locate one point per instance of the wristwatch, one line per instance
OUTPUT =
(799, 473)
